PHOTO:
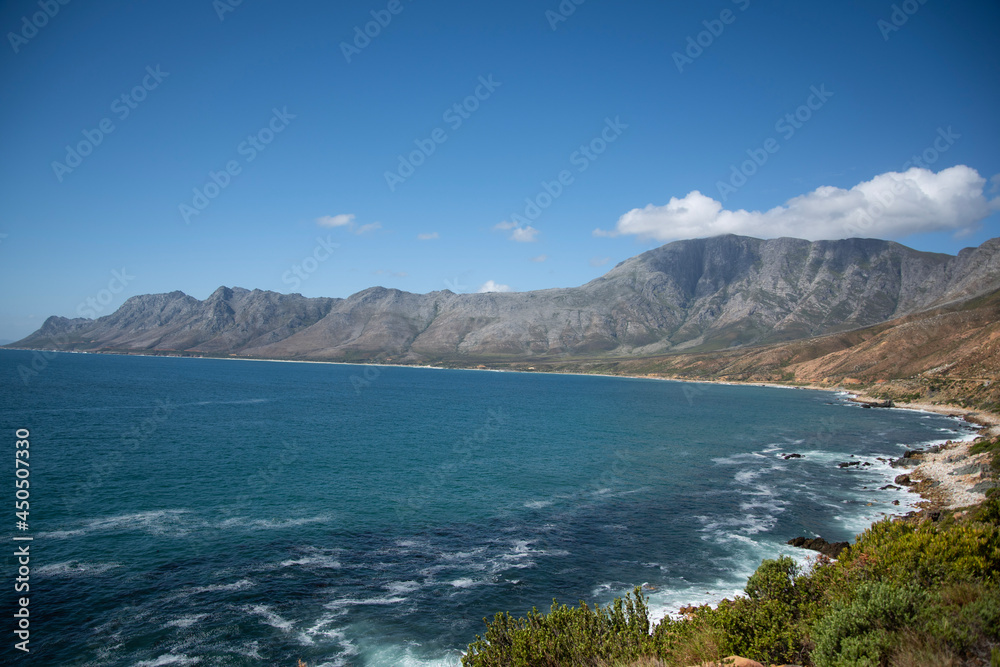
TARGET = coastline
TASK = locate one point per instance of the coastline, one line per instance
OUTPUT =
(940, 484)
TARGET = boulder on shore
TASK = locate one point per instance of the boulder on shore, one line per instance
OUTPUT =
(878, 404)
(829, 549)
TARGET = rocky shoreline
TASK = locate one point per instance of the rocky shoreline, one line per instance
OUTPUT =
(947, 476)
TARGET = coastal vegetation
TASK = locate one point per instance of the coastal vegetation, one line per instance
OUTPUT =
(922, 590)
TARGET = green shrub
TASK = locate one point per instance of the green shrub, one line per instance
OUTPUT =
(989, 510)
(925, 554)
(773, 580)
(963, 617)
(864, 631)
(565, 636)
(762, 630)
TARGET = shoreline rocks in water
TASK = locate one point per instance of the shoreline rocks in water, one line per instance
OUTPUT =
(828, 549)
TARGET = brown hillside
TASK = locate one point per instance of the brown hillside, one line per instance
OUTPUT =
(947, 354)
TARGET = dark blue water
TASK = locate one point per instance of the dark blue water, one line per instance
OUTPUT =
(190, 511)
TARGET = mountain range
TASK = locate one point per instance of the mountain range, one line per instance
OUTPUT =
(695, 296)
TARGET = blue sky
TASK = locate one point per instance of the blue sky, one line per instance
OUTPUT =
(626, 124)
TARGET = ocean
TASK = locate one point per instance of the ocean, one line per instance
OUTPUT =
(217, 512)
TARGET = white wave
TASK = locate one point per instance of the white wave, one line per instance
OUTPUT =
(272, 524)
(463, 583)
(245, 401)
(186, 621)
(739, 459)
(405, 656)
(538, 504)
(668, 602)
(240, 585)
(270, 617)
(325, 562)
(411, 544)
(322, 630)
(463, 556)
(402, 587)
(168, 659)
(351, 602)
(156, 522)
(74, 568)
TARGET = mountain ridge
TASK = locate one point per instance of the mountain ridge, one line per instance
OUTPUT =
(696, 295)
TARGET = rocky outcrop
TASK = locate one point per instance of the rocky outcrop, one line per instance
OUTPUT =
(829, 549)
(723, 292)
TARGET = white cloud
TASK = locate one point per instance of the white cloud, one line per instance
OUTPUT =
(342, 220)
(891, 205)
(347, 220)
(524, 234)
(363, 229)
(394, 274)
(428, 237)
(521, 234)
(540, 258)
(491, 286)
(599, 261)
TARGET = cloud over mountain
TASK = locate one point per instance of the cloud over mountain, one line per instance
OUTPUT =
(891, 205)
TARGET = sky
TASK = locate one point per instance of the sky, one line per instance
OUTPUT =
(327, 147)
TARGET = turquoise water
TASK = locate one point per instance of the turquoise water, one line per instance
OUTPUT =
(210, 512)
